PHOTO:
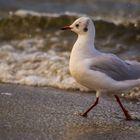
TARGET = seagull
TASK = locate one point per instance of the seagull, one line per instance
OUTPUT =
(102, 72)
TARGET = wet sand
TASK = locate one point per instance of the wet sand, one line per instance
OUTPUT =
(34, 113)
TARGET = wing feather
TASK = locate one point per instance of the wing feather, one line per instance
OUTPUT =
(116, 68)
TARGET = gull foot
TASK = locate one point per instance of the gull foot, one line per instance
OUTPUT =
(129, 118)
(127, 115)
(83, 115)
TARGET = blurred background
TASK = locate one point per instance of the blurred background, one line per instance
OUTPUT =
(34, 51)
(127, 8)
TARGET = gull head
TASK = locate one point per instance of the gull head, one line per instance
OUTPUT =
(81, 26)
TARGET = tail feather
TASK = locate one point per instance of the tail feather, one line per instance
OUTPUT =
(128, 84)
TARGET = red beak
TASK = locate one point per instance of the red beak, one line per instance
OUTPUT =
(66, 28)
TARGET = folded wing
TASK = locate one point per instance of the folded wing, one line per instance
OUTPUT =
(116, 68)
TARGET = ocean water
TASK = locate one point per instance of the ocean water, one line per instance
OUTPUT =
(34, 51)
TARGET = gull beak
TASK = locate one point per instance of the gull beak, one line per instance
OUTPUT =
(66, 28)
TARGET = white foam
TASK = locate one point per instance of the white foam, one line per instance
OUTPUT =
(36, 68)
(24, 13)
(29, 65)
(6, 93)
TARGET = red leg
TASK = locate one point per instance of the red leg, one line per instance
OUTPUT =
(84, 114)
(126, 113)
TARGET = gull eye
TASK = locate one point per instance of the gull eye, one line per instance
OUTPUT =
(77, 25)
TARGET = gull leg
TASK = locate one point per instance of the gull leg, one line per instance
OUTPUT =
(126, 113)
(84, 114)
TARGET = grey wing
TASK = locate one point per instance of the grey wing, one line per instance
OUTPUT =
(116, 68)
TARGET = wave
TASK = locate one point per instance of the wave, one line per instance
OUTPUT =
(22, 23)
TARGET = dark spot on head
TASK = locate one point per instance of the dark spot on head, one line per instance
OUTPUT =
(77, 25)
(85, 29)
